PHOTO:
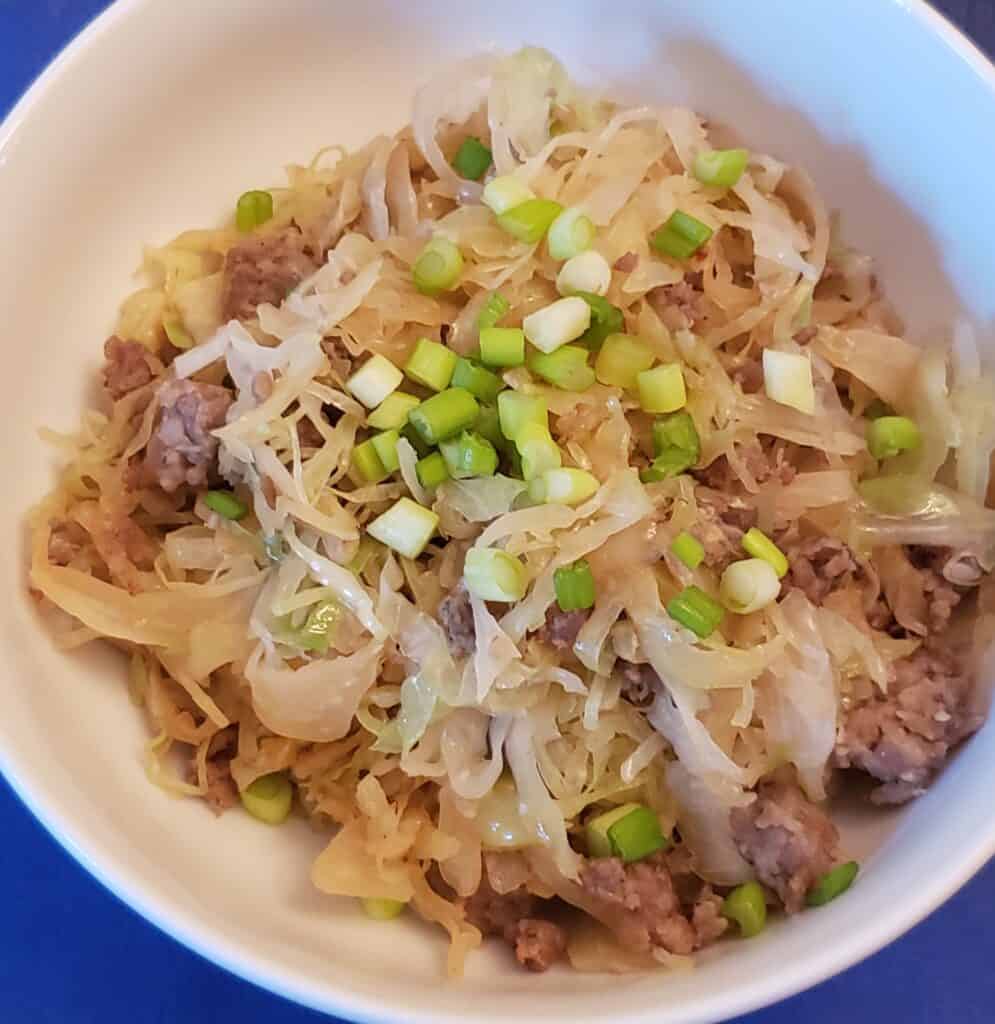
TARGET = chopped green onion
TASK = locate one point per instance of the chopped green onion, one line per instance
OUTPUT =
(662, 388)
(444, 415)
(889, 435)
(252, 209)
(694, 609)
(472, 159)
(315, 634)
(493, 309)
(469, 455)
(606, 320)
(516, 411)
(563, 486)
(670, 463)
(494, 575)
(749, 585)
(900, 494)
(405, 527)
(488, 425)
(431, 364)
(438, 266)
(411, 435)
(269, 798)
(747, 906)
(502, 346)
(529, 221)
(721, 168)
(621, 359)
(688, 549)
(537, 451)
(676, 431)
(571, 233)
(506, 192)
(681, 236)
(631, 831)
(788, 379)
(574, 586)
(374, 381)
(385, 445)
(832, 884)
(558, 323)
(392, 412)
(225, 504)
(382, 910)
(177, 335)
(432, 470)
(565, 368)
(757, 543)
(587, 272)
(877, 409)
(367, 464)
(479, 382)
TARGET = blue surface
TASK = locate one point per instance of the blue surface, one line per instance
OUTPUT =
(72, 954)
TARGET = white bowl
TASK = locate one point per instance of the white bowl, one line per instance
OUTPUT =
(152, 121)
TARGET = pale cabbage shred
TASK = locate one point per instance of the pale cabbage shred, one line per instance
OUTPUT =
(566, 738)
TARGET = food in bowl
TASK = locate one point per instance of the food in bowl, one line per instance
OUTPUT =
(546, 497)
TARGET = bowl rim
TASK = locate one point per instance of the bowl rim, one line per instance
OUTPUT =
(187, 929)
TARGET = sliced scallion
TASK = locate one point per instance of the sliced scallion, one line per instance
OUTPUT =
(529, 221)
(565, 368)
(444, 415)
(226, 505)
(431, 364)
(889, 435)
(438, 266)
(570, 233)
(405, 527)
(681, 236)
(269, 798)
(759, 545)
(377, 378)
(472, 159)
(252, 209)
(574, 586)
(481, 383)
(621, 359)
(720, 168)
(494, 575)
(662, 388)
(694, 609)
(502, 346)
(469, 455)
(688, 549)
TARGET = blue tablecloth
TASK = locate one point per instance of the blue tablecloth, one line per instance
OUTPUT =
(71, 954)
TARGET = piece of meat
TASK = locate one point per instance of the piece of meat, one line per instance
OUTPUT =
(339, 360)
(626, 263)
(538, 943)
(749, 376)
(679, 305)
(806, 334)
(265, 268)
(707, 918)
(640, 683)
(789, 841)
(128, 365)
(817, 566)
(722, 521)
(902, 738)
(181, 449)
(126, 549)
(222, 793)
(917, 597)
(456, 618)
(65, 542)
(561, 628)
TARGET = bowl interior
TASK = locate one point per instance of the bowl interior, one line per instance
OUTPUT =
(154, 122)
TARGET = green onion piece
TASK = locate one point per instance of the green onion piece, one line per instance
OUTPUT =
(676, 431)
(177, 335)
(225, 504)
(367, 465)
(252, 209)
(681, 236)
(516, 411)
(563, 486)
(405, 527)
(670, 463)
(630, 831)
(431, 364)
(494, 575)
(749, 585)
(472, 159)
(788, 379)
(688, 549)
(565, 368)
(537, 451)
(747, 906)
(315, 634)
(382, 910)
(596, 830)
(469, 455)
(901, 494)
(529, 221)
(758, 544)
(588, 272)
(444, 415)
(392, 412)
(606, 319)
(574, 586)
(432, 471)
(502, 346)
(438, 267)
(571, 233)
(411, 435)
(269, 798)
(558, 323)
(832, 884)
(374, 381)
(662, 389)
(889, 435)
(479, 382)
(694, 609)
(488, 425)
(385, 445)
(877, 409)
(721, 168)
(506, 192)
(493, 309)
(621, 359)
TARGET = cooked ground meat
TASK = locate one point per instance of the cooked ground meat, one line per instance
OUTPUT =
(917, 599)
(456, 618)
(721, 524)
(789, 841)
(128, 365)
(817, 565)
(222, 793)
(265, 268)
(538, 943)
(561, 628)
(707, 918)
(749, 376)
(679, 305)
(640, 683)
(339, 359)
(763, 461)
(627, 262)
(65, 542)
(903, 737)
(181, 449)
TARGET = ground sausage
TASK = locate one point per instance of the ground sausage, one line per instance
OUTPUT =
(903, 737)
(456, 618)
(917, 599)
(789, 841)
(65, 542)
(181, 449)
(265, 268)
(817, 565)
(128, 365)
(538, 943)
(679, 305)
(721, 524)
(640, 683)
(707, 918)
(561, 628)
